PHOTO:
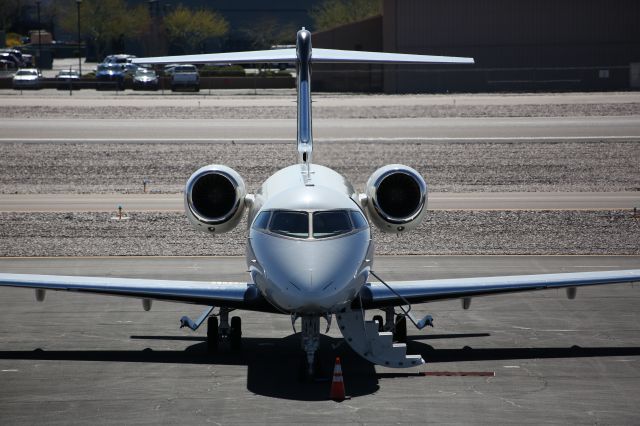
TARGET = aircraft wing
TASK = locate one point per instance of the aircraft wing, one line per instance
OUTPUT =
(317, 56)
(378, 295)
(228, 294)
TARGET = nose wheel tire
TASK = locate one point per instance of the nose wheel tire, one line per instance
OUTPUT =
(235, 333)
(212, 334)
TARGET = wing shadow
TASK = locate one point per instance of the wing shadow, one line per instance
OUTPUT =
(446, 336)
(273, 364)
(432, 355)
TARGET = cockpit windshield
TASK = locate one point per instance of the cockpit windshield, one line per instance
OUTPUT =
(331, 223)
(323, 224)
(290, 223)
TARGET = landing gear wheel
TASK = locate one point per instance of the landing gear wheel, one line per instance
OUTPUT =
(400, 333)
(212, 334)
(235, 333)
(378, 319)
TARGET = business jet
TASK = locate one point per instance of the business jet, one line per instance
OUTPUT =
(309, 251)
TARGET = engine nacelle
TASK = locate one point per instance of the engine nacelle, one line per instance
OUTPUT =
(214, 199)
(396, 198)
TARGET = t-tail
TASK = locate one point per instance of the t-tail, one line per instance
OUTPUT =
(303, 83)
(304, 56)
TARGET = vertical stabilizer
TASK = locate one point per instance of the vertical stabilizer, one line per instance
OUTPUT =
(305, 134)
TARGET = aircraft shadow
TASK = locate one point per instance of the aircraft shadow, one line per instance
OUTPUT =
(273, 364)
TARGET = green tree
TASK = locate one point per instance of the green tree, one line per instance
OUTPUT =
(267, 32)
(189, 29)
(104, 21)
(332, 13)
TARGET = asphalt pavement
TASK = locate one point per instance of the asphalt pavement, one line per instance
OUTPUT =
(76, 359)
(518, 129)
(285, 97)
(437, 201)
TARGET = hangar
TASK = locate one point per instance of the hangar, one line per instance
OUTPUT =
(518, 45)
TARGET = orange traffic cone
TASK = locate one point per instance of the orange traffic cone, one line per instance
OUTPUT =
(337, 385)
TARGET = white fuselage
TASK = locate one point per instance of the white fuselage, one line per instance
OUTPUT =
(311, 273)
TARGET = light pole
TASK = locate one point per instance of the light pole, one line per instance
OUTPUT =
(79, 40)
(39, 35)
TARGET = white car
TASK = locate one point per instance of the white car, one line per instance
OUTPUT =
(27, 78)
(185, 77)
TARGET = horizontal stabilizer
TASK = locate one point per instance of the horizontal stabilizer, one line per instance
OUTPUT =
(256, 56)
(356, 56)
(317, 56)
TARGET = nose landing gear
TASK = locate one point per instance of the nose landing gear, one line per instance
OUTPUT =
(310, 341)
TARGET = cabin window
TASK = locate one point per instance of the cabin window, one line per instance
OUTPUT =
(331, 223)
(290, 224)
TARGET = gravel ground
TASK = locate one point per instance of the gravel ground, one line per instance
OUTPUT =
(258, 112)
(443, 232)
(447, 167)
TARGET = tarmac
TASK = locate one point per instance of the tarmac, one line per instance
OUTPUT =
(437, 201)
(460, 129)
(530, 358)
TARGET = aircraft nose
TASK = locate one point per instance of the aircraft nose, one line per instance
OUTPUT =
(312, 265)
(311, 274)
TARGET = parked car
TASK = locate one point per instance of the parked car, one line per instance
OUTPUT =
(26, 60)
(110, 73)
(7, 66)
(121, 58)
(130, 69)
(169, 68)
(67, 79)
(185, 77)
(27, 78)
(145, 79)
(10, 57)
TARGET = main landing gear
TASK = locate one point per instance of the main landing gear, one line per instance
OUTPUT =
(397, 323)
(219, 329)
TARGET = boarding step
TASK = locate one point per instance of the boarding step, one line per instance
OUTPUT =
(375, 346)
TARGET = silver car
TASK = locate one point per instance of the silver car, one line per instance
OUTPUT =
(145, 79)
(67, 79)
(27, 78)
